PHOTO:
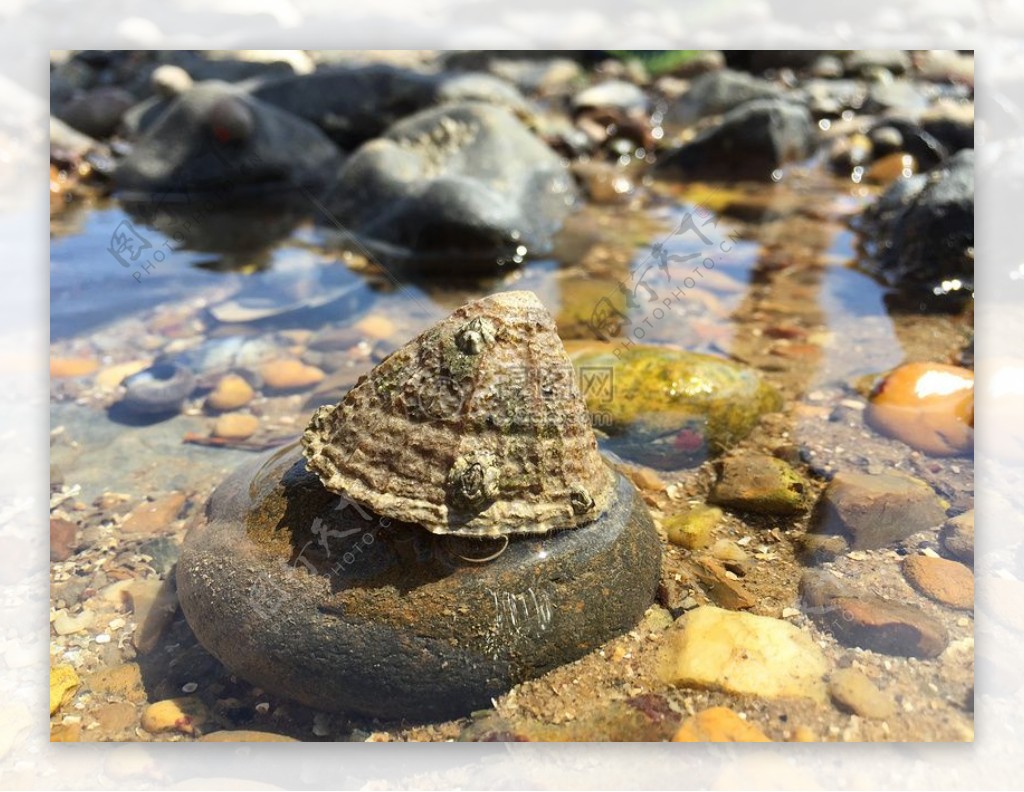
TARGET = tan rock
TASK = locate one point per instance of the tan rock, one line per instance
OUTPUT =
(115, 717)
(64, 623)
(891, 167)
(957, 537)
(110, 377)
(232, 392)
(376, 326)
(718, 724)
(66, 732)
(693, 529)
(184, 715)
(245, 735)
(945, 581)
(153, 603)
(66, 368)
(742, 654)
(62, 538)
(760, 484)
(123, 681)
(155, 516)
(720, 587)
(852, 691)
(290, 375)
(236, 426)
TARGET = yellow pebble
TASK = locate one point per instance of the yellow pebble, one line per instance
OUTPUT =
(231, 393)
(63, 684)
(236, 426)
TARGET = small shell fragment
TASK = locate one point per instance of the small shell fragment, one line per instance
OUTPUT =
(475, 428)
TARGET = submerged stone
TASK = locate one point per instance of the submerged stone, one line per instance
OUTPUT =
(668, 408)
(314, 599)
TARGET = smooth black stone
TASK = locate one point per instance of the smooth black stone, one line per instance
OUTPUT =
(387, 620)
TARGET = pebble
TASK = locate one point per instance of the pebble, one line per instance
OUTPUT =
(957, 537)
(65, 368)
(290, 375)
(945, 581)
(123, 681)
(869, 622)
(236, 426)
(66, 624)
(110, 377)
(168, 80)
(720, 587)
(760, 484)
(742, 654)
(153, 604)
(377, 327)
(718, 724)
(115, 717)
(854, 692)
(891, 167)
(245, 735)
(63, 684)
(232, 392)
(183, 715)
(693, 529)
(65, 732)
(62, 538)
(875, 510)
(155, 516)
(929, 406)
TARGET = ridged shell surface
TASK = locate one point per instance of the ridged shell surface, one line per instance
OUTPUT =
(475, 428)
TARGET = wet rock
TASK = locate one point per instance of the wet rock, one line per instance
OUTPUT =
(891, 167)
(216, 141)
(760, 484)
(122, 682)
(922, 233)
(693, 528)
(163, 552)
(110, 377)
(376, 327)
(875, 510)
(854, 692)
(831, 98)
(742, 654)
(153, 603)
(159, 390)
(64, 623)
(827, 67)
(464, 182)
(870, 622)
(718, 724)
(860, 63)
(951, 123)
(894, 96)
(819, 548)
(185, 715)
(929, 406)
(716, 93)
(70, 145)
(885, 139)
(155, 516)
(115, 717)
(847, 153)
(940, 579)
(615, 94)
(232, 392)
(67, 368)
(236, 426)
(97, 113)
(751, 142)
(665, 407)
(63, 684)
(168, 81)
(720, 587)
(957, 537)
(286, 375)
(478, 87)
(391, 621)
(245, 735)
(62, 539)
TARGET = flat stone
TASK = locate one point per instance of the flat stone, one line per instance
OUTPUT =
(153, 604)
(957, 537)
(875, 510)
(245, 735)
(236, 426)
(155, 516)
(760, 484)
(820, 548)
(945, 581)
(870, 622)
(66, 624)
(115, 717)
(854, 692)
(721, 589)
(302, 596)
(718, 724)
(743, 654)
(62, 539)
(123, 681)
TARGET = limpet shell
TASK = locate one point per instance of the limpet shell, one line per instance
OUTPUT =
(475, 428)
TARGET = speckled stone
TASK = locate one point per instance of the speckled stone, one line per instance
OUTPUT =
(389, 620)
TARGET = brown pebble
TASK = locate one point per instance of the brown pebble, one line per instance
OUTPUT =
(945, 581)
(155, 516)
(891, 167)
(957, 537)
(245, 735)
(116, 717)
(854, 692)
(718, 724)
(236, 426)
(290, 375)
(123, 681)
(231, 393)
(62, 539)
(722, 589)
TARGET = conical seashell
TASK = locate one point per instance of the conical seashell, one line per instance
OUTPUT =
(474, 428)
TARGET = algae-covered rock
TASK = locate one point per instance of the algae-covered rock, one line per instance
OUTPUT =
(666, 407)
(760, 484)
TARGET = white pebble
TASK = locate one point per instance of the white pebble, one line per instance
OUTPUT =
(263, 708)
(189, 687)
(102, 638)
